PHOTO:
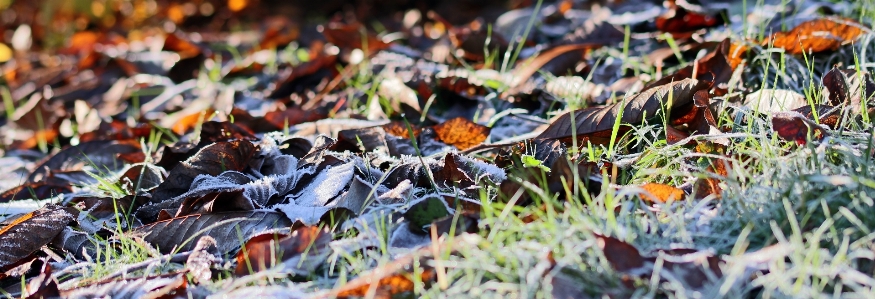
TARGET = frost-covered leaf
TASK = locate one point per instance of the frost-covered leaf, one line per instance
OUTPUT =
(229, 229)
(211, 160)
(327, 194)
(26, 234)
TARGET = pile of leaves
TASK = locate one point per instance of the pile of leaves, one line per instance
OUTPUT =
(213, 147)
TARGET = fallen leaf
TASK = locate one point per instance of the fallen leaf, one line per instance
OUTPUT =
(38, 190)
(620, 255)
(592, 123)
(300, 253)
(687, 266)
(461, 133)
(282, 119)
(679, 20)
(714, 69)
(793, 126)
(661, 193)
(29, 232)
(819, 35)
(827, 115)
(189, 122)
(211, 160)
(400, 129)
(849, 88)
(229, 229)
(95, 155)
(473, 39)
(390, 280)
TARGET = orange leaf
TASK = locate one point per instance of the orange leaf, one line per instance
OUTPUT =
(399, 129)
(816, 36)
(237, 5)
(461, 133)
(188, 122)
(736, 54)
(265, 251)
(660, 193)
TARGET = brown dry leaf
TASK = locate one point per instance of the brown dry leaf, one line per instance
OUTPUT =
(793, 126)
(101, 155)
(461, 133)
(299, 252)
(692, 271)
(211, 160)
(849, 88)
(661, 193)
(673, 136)
(450, 174)
(828, 115)
(305, 75)
(36, 190)
(183, 47)
(621, 255)
(681, 22)
(227, 228)
(699, 119)
(217, 131)
(28, 233)
(819, 35)
(282, 119)
(588, 123)
(714, 69)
